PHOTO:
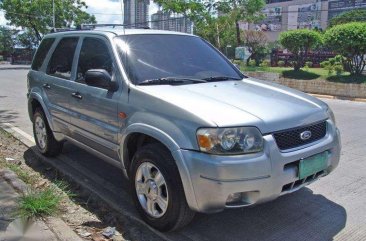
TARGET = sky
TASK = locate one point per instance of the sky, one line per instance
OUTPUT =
(105, 11)
(2, 18)
(109, 11)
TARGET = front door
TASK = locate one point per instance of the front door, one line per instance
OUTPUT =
(94, 116)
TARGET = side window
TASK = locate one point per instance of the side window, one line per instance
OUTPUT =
(42, 53)
(94, 54)
(60, 64)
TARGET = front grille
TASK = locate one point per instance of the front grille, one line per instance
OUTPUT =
(294, 185)
(291, 138)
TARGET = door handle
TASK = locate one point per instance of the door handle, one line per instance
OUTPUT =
(76, 95)
(46, 86)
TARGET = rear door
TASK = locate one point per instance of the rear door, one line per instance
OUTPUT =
(95, 110)
(57, 81)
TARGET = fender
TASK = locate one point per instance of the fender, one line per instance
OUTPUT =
(36, 96)
(170, 143)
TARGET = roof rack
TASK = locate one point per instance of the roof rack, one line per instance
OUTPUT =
(94, 26)
(56, 30)
(113, 25)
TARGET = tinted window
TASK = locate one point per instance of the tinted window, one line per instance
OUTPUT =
(94, 54)
(42, 53)
(60, 64)
(154, 56)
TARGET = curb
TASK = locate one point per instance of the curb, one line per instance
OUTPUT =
(58, 227)
(28, 141)
(338, 97)
(15, 68)
(14, 181)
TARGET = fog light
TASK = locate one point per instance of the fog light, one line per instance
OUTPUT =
(233, 198)
(242, 198)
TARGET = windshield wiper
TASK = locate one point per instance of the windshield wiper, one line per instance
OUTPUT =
(220, 78)
(171, 81)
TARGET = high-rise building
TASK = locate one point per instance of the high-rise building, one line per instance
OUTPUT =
(160, 20)
(136, 13)
(166, 21)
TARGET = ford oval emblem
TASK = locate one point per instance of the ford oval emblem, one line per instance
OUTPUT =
(305, 135)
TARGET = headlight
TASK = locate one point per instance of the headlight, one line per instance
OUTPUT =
(331, 115)
(237, 140)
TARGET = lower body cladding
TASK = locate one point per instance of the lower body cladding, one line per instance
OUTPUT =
(219, 182)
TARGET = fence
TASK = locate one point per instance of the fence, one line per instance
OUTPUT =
(315, 57)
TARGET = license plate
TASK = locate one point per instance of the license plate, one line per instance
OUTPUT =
(311, 165)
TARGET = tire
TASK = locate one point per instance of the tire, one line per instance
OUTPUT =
(177, 213)
(45, 141)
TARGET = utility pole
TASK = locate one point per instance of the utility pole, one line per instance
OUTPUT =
(53, 9)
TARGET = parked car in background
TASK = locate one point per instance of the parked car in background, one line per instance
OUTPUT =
(186, 127)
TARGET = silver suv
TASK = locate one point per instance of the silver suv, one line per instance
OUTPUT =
(188, 129)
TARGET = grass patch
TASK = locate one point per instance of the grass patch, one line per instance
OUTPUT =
(36, 204)
(43, 198)
(5, 133)
(22, 174)
(253, 69)
(64, 187)
(308, 74)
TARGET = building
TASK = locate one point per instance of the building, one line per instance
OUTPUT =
(136, 13)
(283, 15)
(159, 20)
(172, 22)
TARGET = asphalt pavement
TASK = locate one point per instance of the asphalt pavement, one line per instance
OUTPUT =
(333, 208)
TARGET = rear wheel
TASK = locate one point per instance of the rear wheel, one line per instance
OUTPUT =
(43, 135)
(157, 189)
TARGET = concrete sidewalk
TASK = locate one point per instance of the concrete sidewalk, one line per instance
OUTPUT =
(14, 66)
(12, 228)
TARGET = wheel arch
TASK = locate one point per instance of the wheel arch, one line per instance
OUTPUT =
(35, 101)
(141, 134)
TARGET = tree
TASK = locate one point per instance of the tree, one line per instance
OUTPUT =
(6, 40)
(27, 39)
(357, 15)
(201, 11)
(299, 42)
(349, 40)
(256, 42)
(219, 31)
(242, 10)
(36, 15)
(193, 9)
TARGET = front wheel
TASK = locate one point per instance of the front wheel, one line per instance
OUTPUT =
(157, 189)
(45, 141)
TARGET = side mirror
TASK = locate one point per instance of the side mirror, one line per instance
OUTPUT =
(99, 78)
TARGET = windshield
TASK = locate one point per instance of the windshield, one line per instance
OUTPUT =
(156, 56)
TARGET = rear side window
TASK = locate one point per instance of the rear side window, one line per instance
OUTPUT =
(60, 64)
(42, 53)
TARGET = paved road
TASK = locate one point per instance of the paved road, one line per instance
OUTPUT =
(332, 208)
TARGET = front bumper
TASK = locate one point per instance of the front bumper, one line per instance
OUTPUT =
(259, 177)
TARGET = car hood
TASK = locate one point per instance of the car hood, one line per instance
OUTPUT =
(250, 102)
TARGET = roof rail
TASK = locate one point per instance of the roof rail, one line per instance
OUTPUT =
(56, 30)
(113, 25)
(93, 26)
